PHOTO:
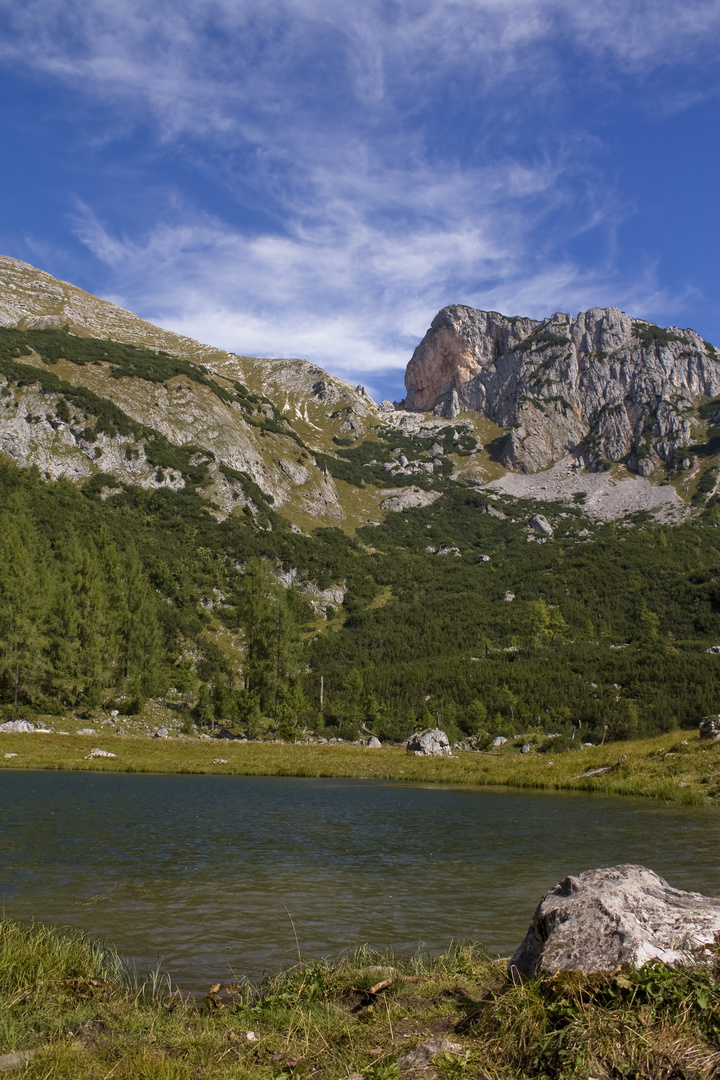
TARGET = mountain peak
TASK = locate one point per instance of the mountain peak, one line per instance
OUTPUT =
(602, 384)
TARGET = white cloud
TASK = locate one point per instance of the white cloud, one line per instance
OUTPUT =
(229, 66)
(368, 228)
(354, 290)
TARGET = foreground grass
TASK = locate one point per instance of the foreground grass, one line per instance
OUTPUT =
(677, 767)
(69, 1010)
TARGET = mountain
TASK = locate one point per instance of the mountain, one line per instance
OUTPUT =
(532, 540)
(603, 386)
(591, 399)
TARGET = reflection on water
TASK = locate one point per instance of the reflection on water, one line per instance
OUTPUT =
(204, 871)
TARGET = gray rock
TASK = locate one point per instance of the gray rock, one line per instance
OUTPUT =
(397, 499)
(541, 525)
(16, 1061)
(161, 733)
(15, 726)
(483, 558)
(564, 382)
(436, 450)
(499, 740)
(710, 728)
(86, 731)
(430, 743)
(525, 748)
(621, 915)
(424, 1052)
(372, 742)
(714, 649)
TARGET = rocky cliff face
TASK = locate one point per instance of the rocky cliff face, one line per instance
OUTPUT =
(604, 385)
(314, 405)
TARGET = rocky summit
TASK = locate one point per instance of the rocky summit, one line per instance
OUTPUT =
(602, 385)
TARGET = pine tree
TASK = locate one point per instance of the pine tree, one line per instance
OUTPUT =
(140, 642)
(23, 606)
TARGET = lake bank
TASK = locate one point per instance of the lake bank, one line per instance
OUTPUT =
(68, 1009)
(677, 767)
(212, 876)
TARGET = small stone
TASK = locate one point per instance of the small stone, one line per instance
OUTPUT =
(86, 731)
(219, 761)
(423, 1053)
(97, 753)
(10, 755)
(499, 740)
(525, 748)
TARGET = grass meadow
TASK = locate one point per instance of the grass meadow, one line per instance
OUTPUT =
(676, 767)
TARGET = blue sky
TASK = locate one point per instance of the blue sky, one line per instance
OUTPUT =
(315, 178)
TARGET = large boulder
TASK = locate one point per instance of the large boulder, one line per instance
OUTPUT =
(431, 743)
(621, 915)
(710, 728)
(16, 726)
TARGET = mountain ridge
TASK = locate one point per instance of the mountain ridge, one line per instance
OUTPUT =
(552, 400)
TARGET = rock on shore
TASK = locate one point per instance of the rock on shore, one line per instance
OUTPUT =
(620, 915)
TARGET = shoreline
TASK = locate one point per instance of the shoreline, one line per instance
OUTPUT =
(70, 1008)
(677, 767)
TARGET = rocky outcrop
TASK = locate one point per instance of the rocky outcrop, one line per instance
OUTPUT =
(622, 915)
(397, 499)
(616, 387)
(431, 743)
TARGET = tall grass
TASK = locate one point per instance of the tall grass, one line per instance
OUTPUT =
(68, 1001)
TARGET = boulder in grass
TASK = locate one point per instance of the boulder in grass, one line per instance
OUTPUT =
(625, 914)
(16, 726)
(430, 743)
(710, 728)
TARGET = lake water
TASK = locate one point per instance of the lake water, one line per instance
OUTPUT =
(204, 873)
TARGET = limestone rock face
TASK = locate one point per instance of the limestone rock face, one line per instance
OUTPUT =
(616, 387)
(621, 915)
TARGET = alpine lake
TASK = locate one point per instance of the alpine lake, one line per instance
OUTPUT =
(217, 877)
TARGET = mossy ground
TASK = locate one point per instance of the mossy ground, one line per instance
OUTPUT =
(677, 767)
(67, 1004)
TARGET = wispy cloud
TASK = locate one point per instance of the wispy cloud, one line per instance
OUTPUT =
(329, 119)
